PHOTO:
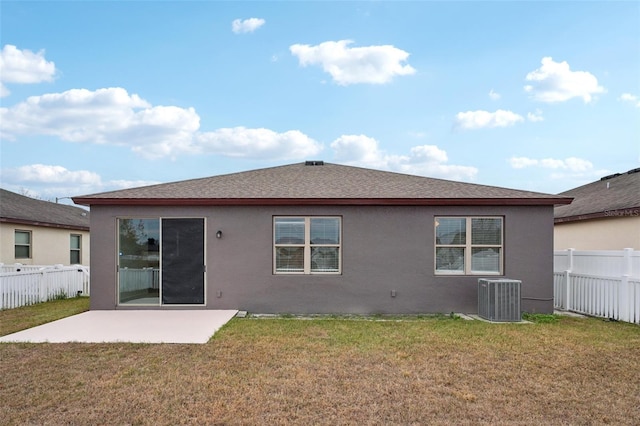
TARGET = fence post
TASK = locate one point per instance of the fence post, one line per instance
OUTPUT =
(623, 291)
(567, 280)
(42, 284)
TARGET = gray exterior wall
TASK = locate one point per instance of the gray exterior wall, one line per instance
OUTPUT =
(384, 248)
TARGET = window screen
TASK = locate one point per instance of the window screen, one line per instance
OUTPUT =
(480, 252)
(22, 244)
(307, 245)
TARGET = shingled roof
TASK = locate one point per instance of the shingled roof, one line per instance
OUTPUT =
(16, 208)
(612, 196)
(316, 182)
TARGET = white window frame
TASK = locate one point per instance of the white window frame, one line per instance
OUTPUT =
(29, 245)
(468, 247)
(308, 246)
(75, 250)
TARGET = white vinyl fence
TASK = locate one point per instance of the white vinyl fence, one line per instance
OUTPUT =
(22, 285)
(139, 279)
(599, 283)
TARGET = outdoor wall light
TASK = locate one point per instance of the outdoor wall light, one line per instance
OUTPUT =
(219, 234)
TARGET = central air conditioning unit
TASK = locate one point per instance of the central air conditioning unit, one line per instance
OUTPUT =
(499, 299)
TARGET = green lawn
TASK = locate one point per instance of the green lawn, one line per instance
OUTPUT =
(12, 320)
(333, 371)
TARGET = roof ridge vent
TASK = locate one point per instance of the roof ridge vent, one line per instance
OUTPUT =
(314, 163)
(611, 176)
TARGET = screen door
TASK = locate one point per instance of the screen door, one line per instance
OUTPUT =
(183, 267)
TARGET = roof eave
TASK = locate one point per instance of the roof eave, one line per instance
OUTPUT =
(548, 201)
(43, 224)
(617, 213)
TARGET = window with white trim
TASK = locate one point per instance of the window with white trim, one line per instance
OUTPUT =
(307, 245)
(75, 247)
(469, 245)
(22, 244)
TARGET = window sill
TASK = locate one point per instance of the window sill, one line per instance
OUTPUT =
(473, 274)
(297, 274)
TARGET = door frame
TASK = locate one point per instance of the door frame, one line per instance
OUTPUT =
(204, 263)
(159, 219)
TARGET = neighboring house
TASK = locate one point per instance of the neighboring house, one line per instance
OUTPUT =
(605, 215)
(318, 238)
(36, 232)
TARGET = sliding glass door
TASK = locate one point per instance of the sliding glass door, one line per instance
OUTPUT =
(139, 261)
(161, 261)
(182, 261)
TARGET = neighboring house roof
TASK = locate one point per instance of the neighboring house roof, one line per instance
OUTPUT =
(316, 182)
(15, 208)
(612, 196)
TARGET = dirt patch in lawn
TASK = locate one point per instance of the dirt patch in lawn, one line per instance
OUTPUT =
(336, 371)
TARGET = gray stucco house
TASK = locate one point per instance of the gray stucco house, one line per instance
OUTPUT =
(315, 237)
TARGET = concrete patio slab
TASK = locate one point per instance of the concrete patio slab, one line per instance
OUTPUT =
(143, 326)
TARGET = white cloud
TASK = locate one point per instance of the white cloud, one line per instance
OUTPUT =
(113, 116)
(50, 181)
(628, 97)
(257, 143)
(494, 96)
(577, 164)
(23, 66)
(360, 149)
(522, 162)
(428, 154)
(555, 82)
(535, 117)
(471, 120)
(551, 163)
(572, 171)
(425, 160)
(571, 164)
(352, 65)
(240, 26)
(104, 116)
(417, 134)
(51, 174)
(125, 184)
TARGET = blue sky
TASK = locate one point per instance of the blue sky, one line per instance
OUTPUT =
(97, 96)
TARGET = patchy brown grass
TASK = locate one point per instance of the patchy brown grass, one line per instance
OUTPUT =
(336, 371)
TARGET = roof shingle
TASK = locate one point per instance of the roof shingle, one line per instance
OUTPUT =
(611, 193)
(17, 208)
(316, 184)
